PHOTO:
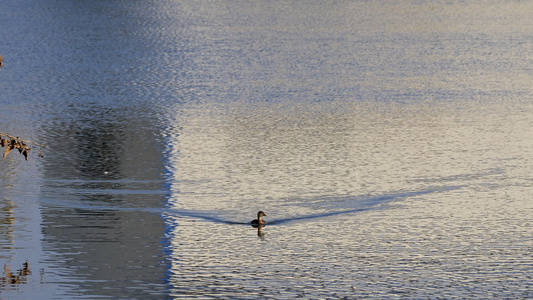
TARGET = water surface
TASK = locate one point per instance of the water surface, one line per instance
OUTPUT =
(388, 143)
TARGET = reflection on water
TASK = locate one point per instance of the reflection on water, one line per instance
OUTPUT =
(260, 232)
(112, 162)
(7, 219)
(11, 279)
(372, 205)
(389, 144)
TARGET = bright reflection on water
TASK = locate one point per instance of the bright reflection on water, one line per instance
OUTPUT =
(388, 143)
(408, 202)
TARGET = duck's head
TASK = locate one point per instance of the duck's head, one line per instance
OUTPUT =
(261, 214)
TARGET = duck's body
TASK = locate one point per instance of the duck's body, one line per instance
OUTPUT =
(259, 221)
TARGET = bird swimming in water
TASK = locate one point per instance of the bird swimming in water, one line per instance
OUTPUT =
(259, 221)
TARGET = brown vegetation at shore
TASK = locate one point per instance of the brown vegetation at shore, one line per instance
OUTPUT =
(10, 143)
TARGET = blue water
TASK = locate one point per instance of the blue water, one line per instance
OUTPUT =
(388, 143)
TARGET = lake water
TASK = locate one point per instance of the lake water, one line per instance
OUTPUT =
(390, 143)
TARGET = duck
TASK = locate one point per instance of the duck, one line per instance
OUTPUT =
(259, 221)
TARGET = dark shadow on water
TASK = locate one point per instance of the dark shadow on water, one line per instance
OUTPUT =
(367, 204)
(316, 216)
(364, 204)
